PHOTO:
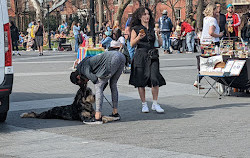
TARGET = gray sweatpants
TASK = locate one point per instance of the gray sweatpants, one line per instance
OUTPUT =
(117, 66)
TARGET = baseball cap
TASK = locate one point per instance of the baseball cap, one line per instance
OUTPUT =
(165, 12)
(229, 5)
(73, 76)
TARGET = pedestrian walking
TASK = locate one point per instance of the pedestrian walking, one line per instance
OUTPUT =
(166, 26)
(76, 29)
(14, 38)
(39, 32)
(101, 69)
(145, 64)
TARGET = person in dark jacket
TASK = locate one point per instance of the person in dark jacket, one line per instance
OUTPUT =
(14, 37)
(166, 26)
(100, 69)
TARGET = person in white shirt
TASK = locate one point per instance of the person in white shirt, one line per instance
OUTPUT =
(118, 40)
(210, 31)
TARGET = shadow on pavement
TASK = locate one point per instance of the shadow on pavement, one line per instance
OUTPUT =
(127, 110)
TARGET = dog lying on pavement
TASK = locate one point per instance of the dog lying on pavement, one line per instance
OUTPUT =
(81, 109)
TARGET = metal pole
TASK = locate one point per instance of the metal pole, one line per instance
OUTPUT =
(48, 27)
(92, 20)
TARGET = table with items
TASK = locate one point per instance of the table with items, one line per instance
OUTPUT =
(228, 65)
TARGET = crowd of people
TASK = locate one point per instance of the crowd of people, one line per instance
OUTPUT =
(144, 36)
(141, 37)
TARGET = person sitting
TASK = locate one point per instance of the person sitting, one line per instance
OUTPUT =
(106, 39)
(118, 40)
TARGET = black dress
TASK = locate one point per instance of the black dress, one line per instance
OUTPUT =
(144, 71)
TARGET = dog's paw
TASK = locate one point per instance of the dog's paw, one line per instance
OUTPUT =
(106, 119)
(28, 115)
(24, 115)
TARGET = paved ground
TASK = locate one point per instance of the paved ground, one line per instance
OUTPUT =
(192, 126)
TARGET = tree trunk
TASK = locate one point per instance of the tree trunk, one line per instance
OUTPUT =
(189, 7)
(107, 7)
(37, 7)
(200, 16)
(122, 6)
(100, 6)
(17, 19)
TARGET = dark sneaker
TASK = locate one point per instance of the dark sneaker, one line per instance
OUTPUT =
(93, 121)
(115, 116)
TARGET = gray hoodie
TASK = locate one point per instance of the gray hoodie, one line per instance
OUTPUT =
(95, 67)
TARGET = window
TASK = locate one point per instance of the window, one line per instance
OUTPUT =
(8, 4)
(178, 13)
(84, 2)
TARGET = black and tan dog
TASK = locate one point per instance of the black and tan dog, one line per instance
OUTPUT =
(81, 109)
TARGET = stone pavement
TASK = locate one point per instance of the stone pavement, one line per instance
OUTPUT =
(191, 126)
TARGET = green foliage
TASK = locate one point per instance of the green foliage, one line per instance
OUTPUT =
(52, 23)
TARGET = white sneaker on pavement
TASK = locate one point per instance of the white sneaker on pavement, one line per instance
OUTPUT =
(145, 108)
(157, 108)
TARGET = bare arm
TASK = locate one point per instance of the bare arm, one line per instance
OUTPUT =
(211, 32)
(135, 38)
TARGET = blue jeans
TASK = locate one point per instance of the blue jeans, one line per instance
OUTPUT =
(190, 41)
(131, 50)
(76, 43)
(166, 40)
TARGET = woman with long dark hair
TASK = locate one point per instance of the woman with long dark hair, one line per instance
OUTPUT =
(145, 70)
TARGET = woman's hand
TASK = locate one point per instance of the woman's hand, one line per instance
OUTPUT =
(141, 36)
(221, 34)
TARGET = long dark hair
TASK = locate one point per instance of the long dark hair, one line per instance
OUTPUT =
(117, 33)
(136, 17)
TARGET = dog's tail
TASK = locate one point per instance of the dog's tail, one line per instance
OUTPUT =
(28, 115)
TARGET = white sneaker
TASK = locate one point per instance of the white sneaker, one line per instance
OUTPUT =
(157, 108)
(145, 109)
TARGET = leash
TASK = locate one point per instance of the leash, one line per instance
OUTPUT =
(107, 101)
(104, 95)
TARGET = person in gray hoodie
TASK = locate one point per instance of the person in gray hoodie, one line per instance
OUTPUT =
(101, 69)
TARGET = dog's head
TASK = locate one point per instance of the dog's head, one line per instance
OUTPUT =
(87, 99)
(89, 96)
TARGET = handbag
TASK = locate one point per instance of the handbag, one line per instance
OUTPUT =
(153, 54)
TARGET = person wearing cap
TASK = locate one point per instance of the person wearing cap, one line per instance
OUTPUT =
(39, 37)
(106, 39)
(166, 26)
(233, 21)
(101, 69)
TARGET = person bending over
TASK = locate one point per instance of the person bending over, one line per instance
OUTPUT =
(101, 69)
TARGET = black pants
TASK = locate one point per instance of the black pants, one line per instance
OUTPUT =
(14, 44)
